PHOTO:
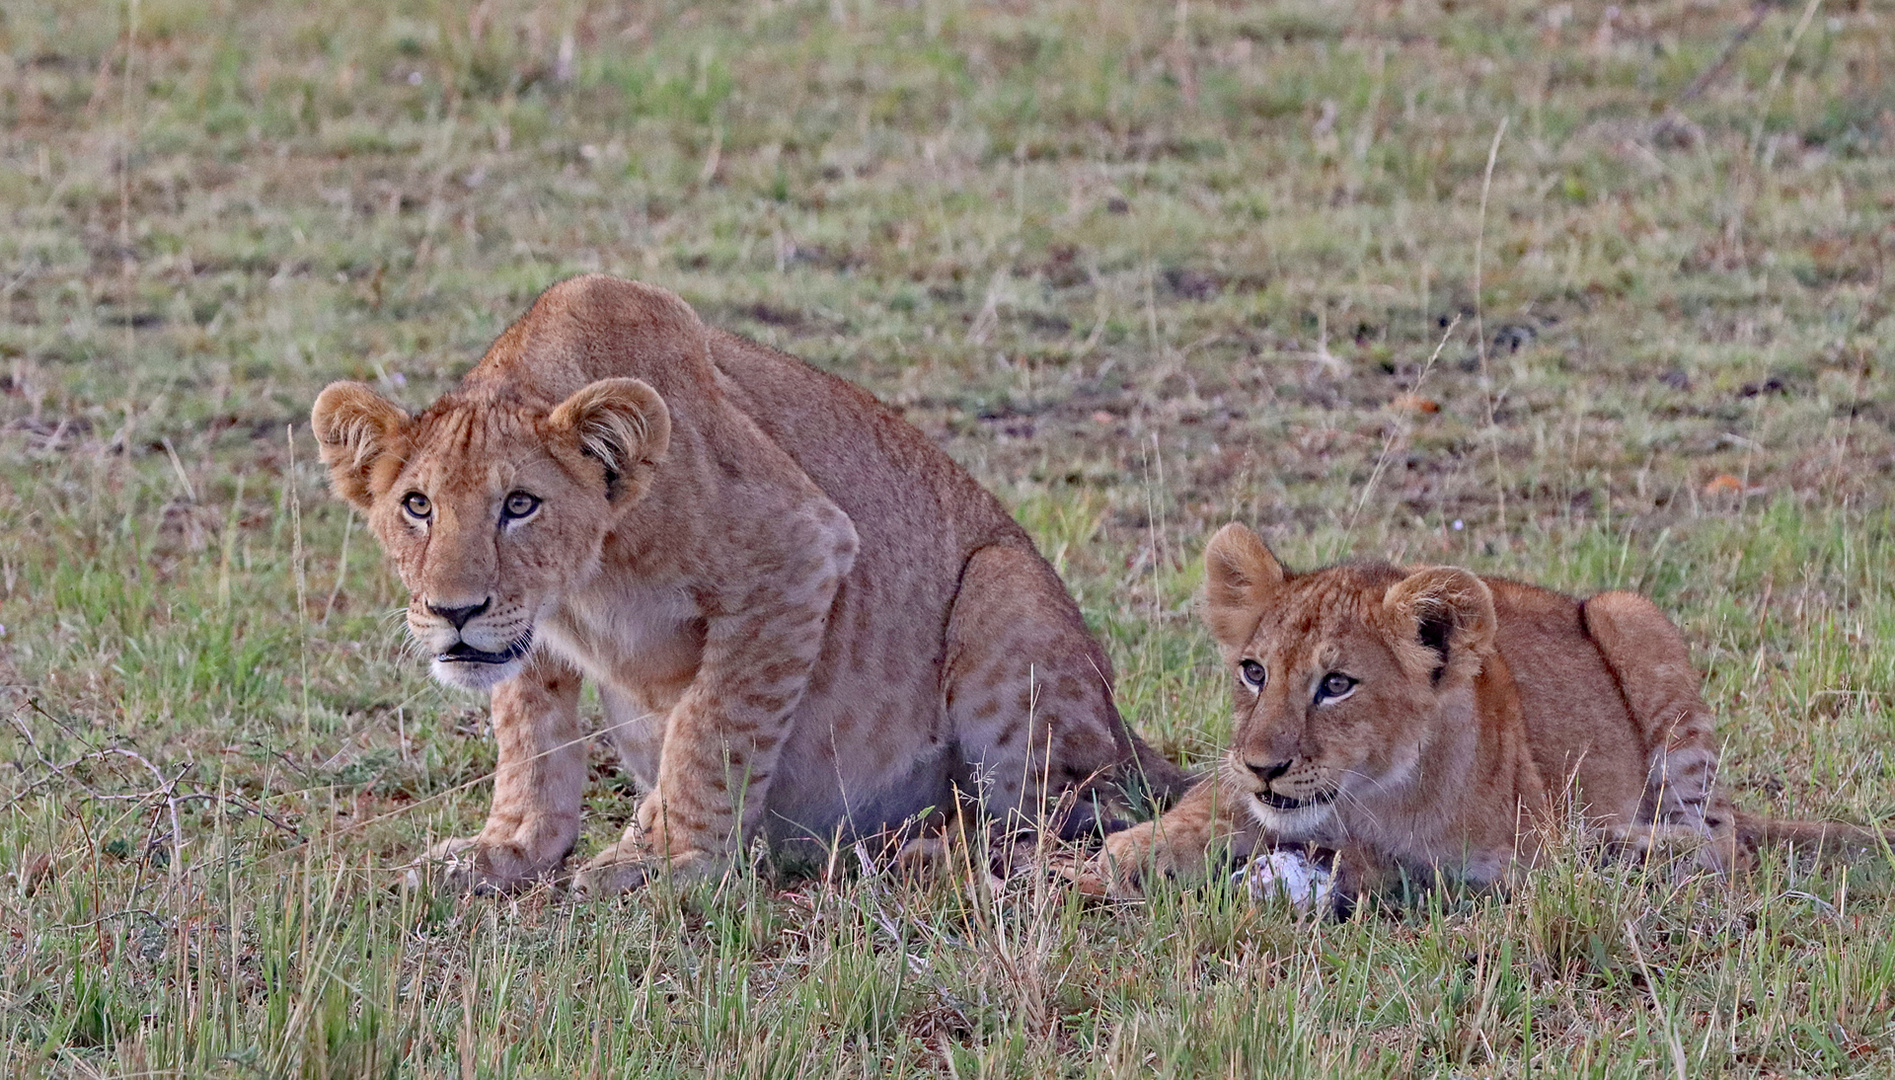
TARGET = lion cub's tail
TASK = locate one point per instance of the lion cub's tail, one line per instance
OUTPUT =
(1755, 830)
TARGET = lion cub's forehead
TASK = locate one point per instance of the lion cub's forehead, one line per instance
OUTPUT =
(1318, 617)
(472, 442)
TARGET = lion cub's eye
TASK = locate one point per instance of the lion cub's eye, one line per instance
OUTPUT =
(1334, 685)
(1253, 674)
(417, 505)
(519, 505)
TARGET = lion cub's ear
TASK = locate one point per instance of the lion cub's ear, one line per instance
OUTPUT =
(1239, 576)
(358, 429)
(1452, 613)
(624, 425)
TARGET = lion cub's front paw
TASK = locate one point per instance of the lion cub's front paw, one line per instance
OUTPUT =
(470, 864)
(1121, 868)
(629, 865)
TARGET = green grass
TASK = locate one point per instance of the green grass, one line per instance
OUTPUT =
(1144, 268)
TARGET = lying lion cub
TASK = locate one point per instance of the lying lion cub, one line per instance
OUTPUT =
(1434, 721)
(805, 621)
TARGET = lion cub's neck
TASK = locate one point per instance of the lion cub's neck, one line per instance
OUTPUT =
(643, 639)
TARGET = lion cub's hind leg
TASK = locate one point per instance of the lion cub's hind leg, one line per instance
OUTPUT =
(1662, 690)
(1029, 698)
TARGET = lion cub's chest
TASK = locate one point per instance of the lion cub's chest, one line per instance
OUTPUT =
(643, 639)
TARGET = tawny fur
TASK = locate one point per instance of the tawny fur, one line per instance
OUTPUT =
(806, 622)
(1477, 714)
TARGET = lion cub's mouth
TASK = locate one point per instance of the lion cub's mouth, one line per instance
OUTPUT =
(463, 653)
(1284, 802)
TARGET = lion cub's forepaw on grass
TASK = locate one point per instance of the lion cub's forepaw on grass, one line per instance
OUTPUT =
(631, 865)
(468, 864)
(1178, 846)
(646, 853)
(1431, 725)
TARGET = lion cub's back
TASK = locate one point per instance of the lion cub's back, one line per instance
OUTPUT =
(877, 467)
(918, 518)
(1581, 731)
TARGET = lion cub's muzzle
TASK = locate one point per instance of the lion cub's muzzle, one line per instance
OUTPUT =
(473, 645)
(463, 651)
(1287, 785)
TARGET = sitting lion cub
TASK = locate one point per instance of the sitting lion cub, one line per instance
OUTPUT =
(804, 620)
(1435, 722)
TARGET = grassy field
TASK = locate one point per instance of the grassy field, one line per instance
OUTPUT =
(1596, 296)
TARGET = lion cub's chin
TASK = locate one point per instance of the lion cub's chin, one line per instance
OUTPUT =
(478, 677)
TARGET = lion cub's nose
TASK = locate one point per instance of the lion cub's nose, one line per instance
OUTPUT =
(459, 616)
(1270, 771)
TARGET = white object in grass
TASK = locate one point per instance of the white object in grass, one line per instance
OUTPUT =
(1289, 875)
